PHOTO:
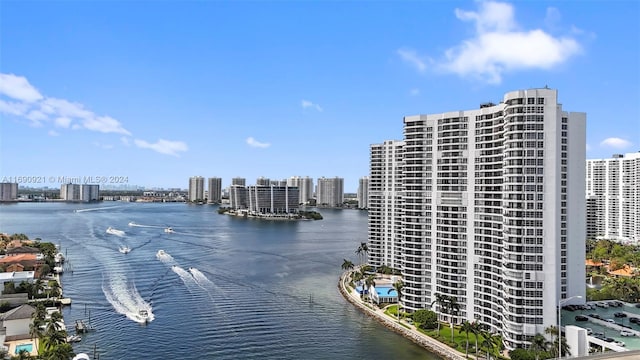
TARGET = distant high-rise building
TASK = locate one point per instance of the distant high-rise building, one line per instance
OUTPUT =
(238, 197)
(239, 181)
(305, 185)
(273, 199)
(363, 192)
(8, 191)
(196, 188)
(78, 192)
(263, 181)
(492, 212)
(385, 204)
(330, 192)
(613, 197)
(215, 190)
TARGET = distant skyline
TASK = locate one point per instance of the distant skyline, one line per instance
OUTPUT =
(158, 92)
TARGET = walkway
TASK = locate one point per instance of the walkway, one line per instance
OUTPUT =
(409, 331)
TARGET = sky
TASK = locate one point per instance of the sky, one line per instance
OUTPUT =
(150, 93)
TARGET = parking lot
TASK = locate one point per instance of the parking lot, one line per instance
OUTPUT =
(614, 320)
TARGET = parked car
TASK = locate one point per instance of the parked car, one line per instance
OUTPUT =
(596, 316)
(589, 331)
(614, 303)
(582, 318)
(626, 333)
(634, 320)
(620, 315)
(611, 321)
(619, 343)
(637, 305)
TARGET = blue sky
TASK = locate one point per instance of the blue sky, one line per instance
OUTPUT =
(160, 91)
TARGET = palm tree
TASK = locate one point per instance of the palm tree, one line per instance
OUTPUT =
(398, 286)
(61, 351)
(363, 249)
(466, 327)
(440, 301)
(476, 330)
(453, 308)
(553, 332)
(347, 265)
(368, 283)
(538, 344)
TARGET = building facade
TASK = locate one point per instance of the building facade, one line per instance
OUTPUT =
(239, 181)
(272, 199)
(196, 188)
(493, 212)
(215, 190)
(80, 192)
(613, 198)
(304, 185)
(363, 192)
(8, 191)
(385, 204)
(330, 192)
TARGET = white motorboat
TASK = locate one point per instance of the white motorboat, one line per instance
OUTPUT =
(160, 254)
(168, 230)
(74, 338)
(132, 224)
(124, 249)
(143, 315)
(113, 231)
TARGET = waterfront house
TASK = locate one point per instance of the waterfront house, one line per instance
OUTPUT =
(15, 322)
(16, 277)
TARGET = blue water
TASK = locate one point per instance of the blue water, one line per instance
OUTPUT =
(27, 347)
(384, 291)
(228, 288)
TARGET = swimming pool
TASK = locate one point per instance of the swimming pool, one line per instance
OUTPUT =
(384, 291)
(27, 347)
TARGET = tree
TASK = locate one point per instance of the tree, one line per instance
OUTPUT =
(440, 301)
(453, 308)
(368, 283)
(61, 351)
(398, 286)
(426, 319)
(553, 332)
(538, 344)
(347, 265)
(466, 327)
(362, 251)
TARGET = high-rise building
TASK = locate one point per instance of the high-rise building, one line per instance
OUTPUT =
(305, 186)
(385, 204)
(78, 192)
(493, 212)
(613, 198)
(272, 199)
(330, 192)
(215, 190)
(363, 192)
(263, 181)
(239, 181)
(238, 197)
(8, 191)
(196, 188)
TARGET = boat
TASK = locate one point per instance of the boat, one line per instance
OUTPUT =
(124, 249)
(160, 254)
(132, 224)
(143, 315)
(59, 258)
(168, 230)
(74, 338)
(113, 231)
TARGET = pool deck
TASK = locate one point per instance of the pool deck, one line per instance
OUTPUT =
(407, 330)
(15, 343)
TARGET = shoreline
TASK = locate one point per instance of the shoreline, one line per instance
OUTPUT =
(418, 338)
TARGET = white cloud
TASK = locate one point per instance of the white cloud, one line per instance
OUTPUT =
(104, 124)
(53, 133)
(553, 17)
(63, 122)
(65, 108)
(616, 143)
(18, 88)
(125, 141)
(308, 104)
(411, 57)
(13, 108)
(500, 46)
(36, 115)
(414, 92)
(255, 143)
(103, 146)
(162, 146)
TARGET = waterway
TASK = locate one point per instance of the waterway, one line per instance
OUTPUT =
(226, 288)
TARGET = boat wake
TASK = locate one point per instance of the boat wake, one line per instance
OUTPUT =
(146, 226)
(126, 300)
(186, 277)
(164, 257)
(95, 209)
(201, 279)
